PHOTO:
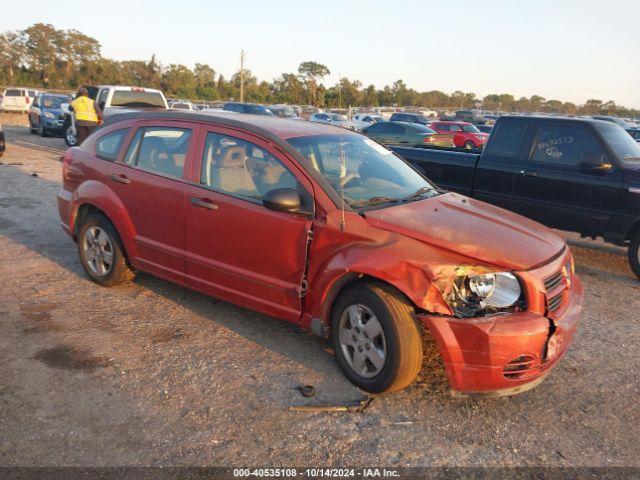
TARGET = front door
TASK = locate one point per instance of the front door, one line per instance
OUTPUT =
(150, 182)
(555, 188)
(237, 249)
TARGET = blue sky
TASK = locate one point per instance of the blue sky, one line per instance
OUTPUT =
(563, 49)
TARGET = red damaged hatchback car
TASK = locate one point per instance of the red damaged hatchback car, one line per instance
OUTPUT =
(325, 228)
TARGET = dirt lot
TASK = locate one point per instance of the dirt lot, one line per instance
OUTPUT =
(154, 374)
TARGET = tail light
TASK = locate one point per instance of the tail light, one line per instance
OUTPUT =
(66, 162)
(428, 139)
(26, 100)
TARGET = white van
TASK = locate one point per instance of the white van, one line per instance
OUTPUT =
(16, 99)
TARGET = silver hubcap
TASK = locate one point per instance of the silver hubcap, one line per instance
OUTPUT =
(98, 250)
(362, 340)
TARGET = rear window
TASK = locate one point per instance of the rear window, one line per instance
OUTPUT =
(417, 127)
(108, 146)
(12, 92)
(137, 99)
(507, 138)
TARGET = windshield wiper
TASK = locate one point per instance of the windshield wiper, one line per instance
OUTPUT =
(418, 193)
(374, 201)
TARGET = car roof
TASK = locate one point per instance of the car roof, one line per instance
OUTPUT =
(449, 122)
(593, 121)
(267, 126)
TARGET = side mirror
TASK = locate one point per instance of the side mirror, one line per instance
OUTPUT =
(282, 200)
(594, 162)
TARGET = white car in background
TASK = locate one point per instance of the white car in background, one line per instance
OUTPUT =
(364, 120)
(333, 119)
(181, 105)
(18, 99)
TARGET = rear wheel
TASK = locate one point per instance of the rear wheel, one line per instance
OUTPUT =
(101, 252)
(634, 254)
(374, 334)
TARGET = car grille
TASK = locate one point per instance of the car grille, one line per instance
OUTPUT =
(555, 286)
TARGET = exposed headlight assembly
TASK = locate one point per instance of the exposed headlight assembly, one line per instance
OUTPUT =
(485, 294)
(49, 115)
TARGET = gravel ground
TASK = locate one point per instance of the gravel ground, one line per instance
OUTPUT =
(155, 374)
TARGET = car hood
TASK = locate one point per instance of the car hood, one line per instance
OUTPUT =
(55, 111)
(472, 228)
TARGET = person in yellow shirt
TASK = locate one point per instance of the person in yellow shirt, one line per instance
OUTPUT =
(86, 115)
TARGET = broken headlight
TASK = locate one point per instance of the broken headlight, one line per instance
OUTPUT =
(485, 294)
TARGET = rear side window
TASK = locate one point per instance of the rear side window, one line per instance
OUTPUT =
(160, 149)
(12, 92)
(377, 128)
(399, 129)
(566, 145)
(240, 168)
(108, 146)
(507, 138)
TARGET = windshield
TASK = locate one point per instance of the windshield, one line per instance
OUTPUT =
(338, 118)
(137, 99)
(53, 102)
(623, 145)
(362, 171)
(470, 128)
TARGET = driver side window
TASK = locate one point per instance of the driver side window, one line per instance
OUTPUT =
(240, 168)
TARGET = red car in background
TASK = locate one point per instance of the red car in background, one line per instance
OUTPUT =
(465, 134)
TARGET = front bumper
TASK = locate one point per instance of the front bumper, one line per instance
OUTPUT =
(505, 354)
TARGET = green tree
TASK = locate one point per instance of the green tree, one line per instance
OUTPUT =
(312, 72)
(179, 81)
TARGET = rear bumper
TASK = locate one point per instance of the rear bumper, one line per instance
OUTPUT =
(503, 355)
(2, 144)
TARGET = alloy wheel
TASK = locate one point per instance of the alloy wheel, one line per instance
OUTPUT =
(362, 340)
(98, 250)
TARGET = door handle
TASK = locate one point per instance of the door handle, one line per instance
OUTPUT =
(528, 174)
(199, 202)
(120, 178)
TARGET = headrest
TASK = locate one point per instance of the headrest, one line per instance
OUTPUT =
(232, 157)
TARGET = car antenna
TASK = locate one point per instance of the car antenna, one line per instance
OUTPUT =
(343, 175)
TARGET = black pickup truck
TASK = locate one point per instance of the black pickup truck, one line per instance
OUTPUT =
(580, 175)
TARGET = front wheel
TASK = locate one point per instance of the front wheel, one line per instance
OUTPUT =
(634, 254)
(469, 145)
(101, 252)
(375, 337)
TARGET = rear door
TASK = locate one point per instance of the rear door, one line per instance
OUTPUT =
(553, 186)
(501, 162)
(237, 249)
(150, 180)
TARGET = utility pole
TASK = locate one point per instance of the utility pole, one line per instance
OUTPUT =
(242, 75)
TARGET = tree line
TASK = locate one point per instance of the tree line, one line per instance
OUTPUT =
(45, 57)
